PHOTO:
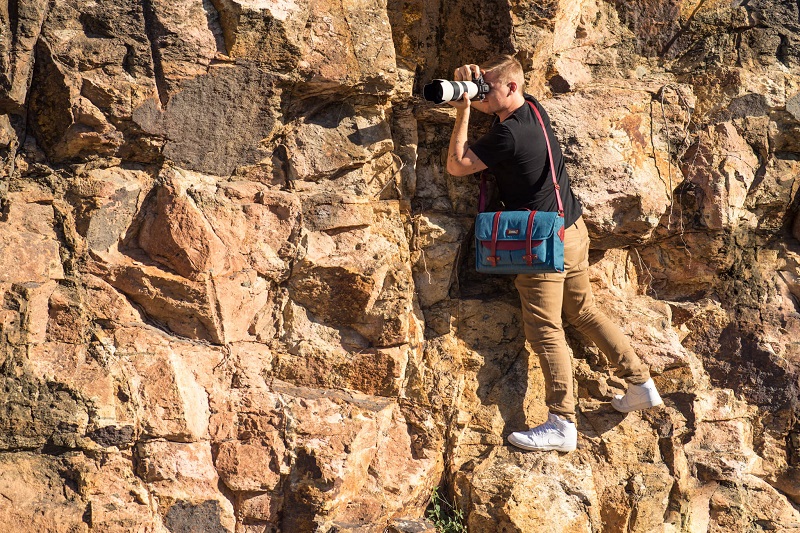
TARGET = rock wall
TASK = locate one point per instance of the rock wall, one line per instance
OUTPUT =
(236, 285)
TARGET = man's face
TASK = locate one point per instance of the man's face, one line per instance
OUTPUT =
(498, 96)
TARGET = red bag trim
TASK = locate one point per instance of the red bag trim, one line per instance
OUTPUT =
(510, 246)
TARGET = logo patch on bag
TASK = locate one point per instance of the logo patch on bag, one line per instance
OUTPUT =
(510, 232)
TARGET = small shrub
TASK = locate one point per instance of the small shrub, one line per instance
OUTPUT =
(446, 517)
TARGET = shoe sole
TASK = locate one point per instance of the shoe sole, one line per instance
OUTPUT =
(549, 448)
(638, 407)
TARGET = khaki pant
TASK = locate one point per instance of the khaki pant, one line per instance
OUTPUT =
(545, 297)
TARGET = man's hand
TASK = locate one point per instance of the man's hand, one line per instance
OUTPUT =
(465, 73)
(461, 104)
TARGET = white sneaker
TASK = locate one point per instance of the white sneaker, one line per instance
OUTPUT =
(637, 397)
(556, 434)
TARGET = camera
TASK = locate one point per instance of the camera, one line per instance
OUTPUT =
(440, 91)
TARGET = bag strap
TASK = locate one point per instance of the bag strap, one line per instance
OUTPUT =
(495, 224)
(482, 199)
(550, 155)
(529, 257)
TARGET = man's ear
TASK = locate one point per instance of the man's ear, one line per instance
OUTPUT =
(512, 87)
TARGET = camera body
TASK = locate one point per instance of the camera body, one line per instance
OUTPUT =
(440, 91)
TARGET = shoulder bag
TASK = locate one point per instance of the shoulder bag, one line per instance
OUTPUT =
(524, 241)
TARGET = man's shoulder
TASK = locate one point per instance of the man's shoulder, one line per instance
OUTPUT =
(521, 120)
(499, 137)
(499, 128)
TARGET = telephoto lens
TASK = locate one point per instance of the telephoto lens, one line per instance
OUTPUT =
(440, 91)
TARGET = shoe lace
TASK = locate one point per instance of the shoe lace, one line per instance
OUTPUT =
(547, 427)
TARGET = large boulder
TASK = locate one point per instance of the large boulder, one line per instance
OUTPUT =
(617, 148)
(320, 459)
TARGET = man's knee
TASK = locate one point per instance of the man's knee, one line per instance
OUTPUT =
(584, 315)
(544, 332)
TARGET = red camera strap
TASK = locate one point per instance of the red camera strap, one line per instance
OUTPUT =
(550, 155)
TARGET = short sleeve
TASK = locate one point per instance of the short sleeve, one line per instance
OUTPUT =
(494, 147)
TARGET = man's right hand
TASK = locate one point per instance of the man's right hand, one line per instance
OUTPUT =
(467, 73)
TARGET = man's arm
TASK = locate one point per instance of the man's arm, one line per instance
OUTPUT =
(462, 161)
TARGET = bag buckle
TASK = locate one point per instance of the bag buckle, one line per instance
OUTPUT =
(493, 259)
(529, 258)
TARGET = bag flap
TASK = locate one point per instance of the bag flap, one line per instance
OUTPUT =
(514, 224)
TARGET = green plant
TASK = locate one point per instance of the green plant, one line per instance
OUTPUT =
(446, 517)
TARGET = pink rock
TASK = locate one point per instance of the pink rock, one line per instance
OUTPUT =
(219, 309)
(723, 165)
(71, 367)
(335, 452)
(246, 467)
(336, 141)
(170, 402)
(107, 304)
(36, 313)
(29, 249)
(116, 499)
(189, 38)
(239, 298)
(261, 507)
(176, 234)
(111, 198)
(259, 226)
(363, 291)
(328, 44)
(610, 139)
(569, 74)
(184, 306)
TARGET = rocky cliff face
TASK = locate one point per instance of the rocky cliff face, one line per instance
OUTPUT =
(236, 284)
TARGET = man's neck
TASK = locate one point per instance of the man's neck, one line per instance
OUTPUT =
(508, 111)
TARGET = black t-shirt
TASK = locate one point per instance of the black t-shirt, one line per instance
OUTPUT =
(515, 152)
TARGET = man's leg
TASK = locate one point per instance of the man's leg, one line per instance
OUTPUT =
(541, 296)
(581, 311)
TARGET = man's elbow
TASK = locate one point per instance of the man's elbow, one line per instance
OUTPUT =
(456, 169)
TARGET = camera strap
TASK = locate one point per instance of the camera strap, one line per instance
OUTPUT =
(550, 156)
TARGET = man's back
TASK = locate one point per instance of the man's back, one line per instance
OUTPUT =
(516, 153)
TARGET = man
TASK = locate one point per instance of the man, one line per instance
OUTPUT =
(514, 151)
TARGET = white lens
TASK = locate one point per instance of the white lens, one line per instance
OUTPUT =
(461, 87)
(472, 89)
(440, 91)
(447, 90)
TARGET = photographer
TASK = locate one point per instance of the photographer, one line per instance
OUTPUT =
(515, 151)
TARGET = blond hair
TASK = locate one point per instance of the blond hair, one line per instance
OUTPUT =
(507, 68)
